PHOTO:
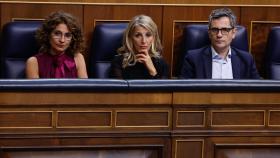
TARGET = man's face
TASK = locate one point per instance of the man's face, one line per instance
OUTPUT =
(221, 34)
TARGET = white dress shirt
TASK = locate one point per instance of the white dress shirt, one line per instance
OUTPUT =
(221, 68)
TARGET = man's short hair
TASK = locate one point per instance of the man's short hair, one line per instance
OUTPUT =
(222, 12)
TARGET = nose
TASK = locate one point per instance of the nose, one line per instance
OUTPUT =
(219, 34)
(144, 39)
(62, 38)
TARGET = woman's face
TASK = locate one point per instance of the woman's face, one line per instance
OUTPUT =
(60, 39)
(142, 39)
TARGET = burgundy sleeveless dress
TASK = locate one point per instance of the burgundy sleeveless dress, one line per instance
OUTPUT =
(56, 66)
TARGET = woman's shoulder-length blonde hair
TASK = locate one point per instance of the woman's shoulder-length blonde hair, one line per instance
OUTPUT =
(127, 49)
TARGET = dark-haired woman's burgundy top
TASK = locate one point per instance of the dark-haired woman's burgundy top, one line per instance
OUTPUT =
(56, 66)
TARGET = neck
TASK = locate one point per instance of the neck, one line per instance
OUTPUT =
(223, 52)
(56, 52)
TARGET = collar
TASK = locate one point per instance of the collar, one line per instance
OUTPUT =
(215, 55)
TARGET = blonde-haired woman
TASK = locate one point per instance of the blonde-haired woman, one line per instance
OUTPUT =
(139, 57)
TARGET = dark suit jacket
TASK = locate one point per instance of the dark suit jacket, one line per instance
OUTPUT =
(198, 64)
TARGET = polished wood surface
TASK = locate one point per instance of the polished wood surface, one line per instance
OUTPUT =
(178, 2)
(259, 26)
(171, 124)
(139, 118)
(11, 12)
(38, 98)
(205, 124)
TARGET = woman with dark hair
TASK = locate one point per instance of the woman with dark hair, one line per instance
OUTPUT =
(61, 41)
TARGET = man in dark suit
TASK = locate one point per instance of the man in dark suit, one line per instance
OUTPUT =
(220, 60)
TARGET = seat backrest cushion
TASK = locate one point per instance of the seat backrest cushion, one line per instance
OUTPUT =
(18, 43)
(196, 36)
(272, 54)
(107, 38)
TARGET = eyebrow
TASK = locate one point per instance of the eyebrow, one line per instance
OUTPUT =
(61, 31)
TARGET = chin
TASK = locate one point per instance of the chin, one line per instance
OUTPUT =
(143, 50)
(59, 51)
(220, 46)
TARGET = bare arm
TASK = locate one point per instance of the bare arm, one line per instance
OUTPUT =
(31, 70)
(81, 66)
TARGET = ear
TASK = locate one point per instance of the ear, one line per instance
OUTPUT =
(234, 32)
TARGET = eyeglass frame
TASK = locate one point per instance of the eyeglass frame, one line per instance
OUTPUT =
(68, 36)
(224, 30)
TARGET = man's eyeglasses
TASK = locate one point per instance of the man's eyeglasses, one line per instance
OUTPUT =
(59, 35)
(224, 31)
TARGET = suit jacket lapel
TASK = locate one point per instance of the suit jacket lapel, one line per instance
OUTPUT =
(235, 64)
(207, 61)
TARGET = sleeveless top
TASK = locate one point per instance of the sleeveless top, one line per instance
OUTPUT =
(56, 66)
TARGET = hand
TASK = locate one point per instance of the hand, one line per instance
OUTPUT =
(144, 57)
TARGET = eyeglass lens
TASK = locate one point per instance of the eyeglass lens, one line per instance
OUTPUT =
(223, 30)
(59, 35)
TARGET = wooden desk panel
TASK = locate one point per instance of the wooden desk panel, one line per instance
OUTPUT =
(204, 124)
(82, 98)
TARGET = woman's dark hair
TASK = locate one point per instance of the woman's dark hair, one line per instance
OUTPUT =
(43, 34)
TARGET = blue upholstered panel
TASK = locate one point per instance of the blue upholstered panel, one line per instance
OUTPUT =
(107, 85)
(18, 43)
(63, 85)
(272, 54)
(14, 68)
(275, 71)
(203, 85)
(196, 36)
(107, 38)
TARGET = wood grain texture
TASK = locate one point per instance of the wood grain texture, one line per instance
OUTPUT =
(189, 113)
(258, 26)
(25, 119)
(174, 124)
(76, 98)
(191, 147)
(186, 2)
(224, 98)
(84, 119)
(36, 11)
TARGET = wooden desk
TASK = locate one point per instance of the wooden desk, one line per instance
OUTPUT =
(168, 118)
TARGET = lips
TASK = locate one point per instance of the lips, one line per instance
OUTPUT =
(60, 46)
(143, 47)
(219, 41)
